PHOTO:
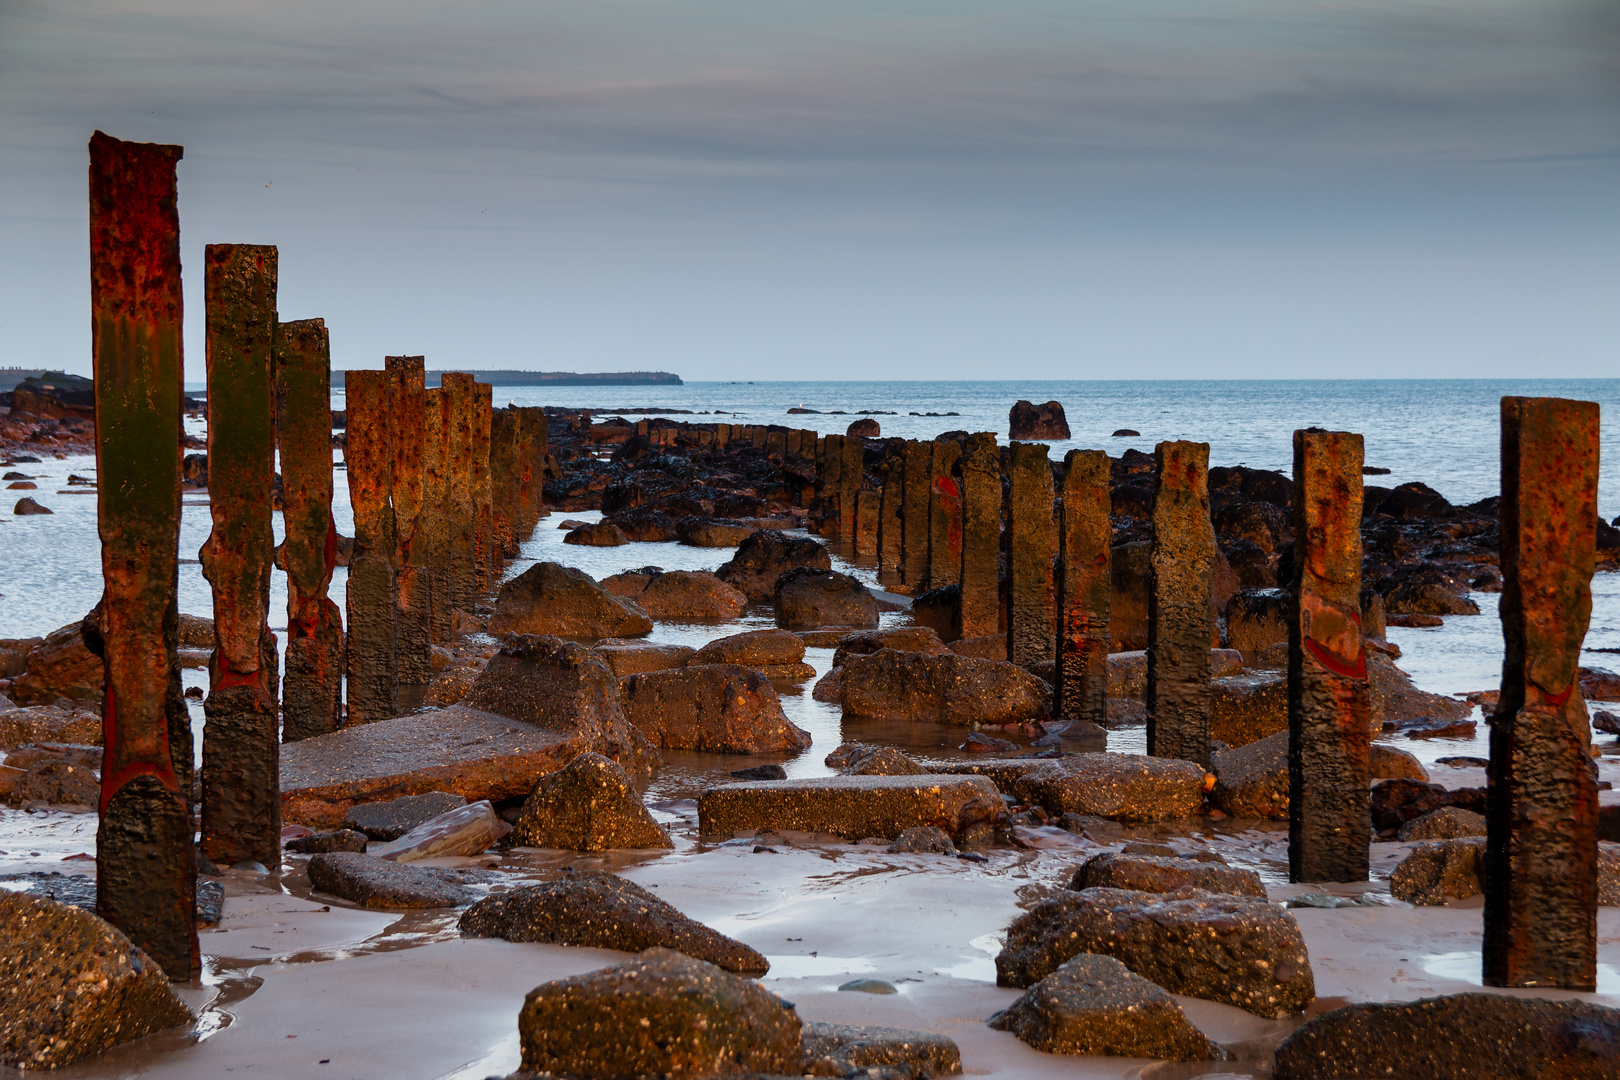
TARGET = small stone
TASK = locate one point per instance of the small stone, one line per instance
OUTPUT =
(760, 772)
(869, 986)
(380, 885)
(922, 840)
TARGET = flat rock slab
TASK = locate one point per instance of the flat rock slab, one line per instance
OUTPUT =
(1095, 1005)
(1124, 787)
(853, 807)
(851, 1049)
(1458, 1037)
(1237, 950)
(393, 819)
(473, 754)
(1164, 874)
(593, 909)
(381, 885)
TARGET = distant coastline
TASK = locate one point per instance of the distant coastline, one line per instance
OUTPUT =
(553, 378)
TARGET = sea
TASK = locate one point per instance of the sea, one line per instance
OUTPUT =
(1443, 433)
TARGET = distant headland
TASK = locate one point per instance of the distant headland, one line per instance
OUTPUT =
(554, 378)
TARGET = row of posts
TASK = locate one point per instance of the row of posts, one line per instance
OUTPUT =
(937, 520)
(443, 488)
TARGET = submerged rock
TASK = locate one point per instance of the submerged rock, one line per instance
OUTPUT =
(1026, 420)
(719, 708)
(851, 1050)
(1125, 787)
(380, 885)
(853, 807)
(878, 761)
(1164, 874)
(548, 598)
(946, 688)
(661, 1014)
(1237, 950)
(755, 648)
(1473, 1036)
(74, 986)
(598, 910)
(1095, 1005)
(588, 805)
(597, 534)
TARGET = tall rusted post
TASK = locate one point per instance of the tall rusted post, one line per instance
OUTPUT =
(505, 509)
(1181, 620)
(831, 460)
(528, 471)
(1542, 803)
(1084, 589)
(981, 536)
(311, 690)
(890, 521)
(914, 511)
(489, 562)
(146, 866)
(459, 404)
(241, 774)
(1031, 546)
(850, 476)
(407, 488)
(373, 613)
(1329, 701)
(868, 506)
(944, 515)
(536, 423)
(436, 513)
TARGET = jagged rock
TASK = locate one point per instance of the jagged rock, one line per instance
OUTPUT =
(1439, 870)
(765, 556)
(380, 885)
(466, 830)
(922, 840)
(1238, 950)
(74, 985)
(663, 1014)
(588, 805)
(918, 639)
(1427, 592)
(829, 688)
(634, 657)
(1473, 1036)
(592, 909)
(1095, 1005)
(946, 689)
(393, 819)
(852, 1050)
(1164, 874)
(807, 598)
(551, 599)
(854, 807)
(1125, 787)
(720, 708)
(1395, 802)
(1446, 823)
(335, 840)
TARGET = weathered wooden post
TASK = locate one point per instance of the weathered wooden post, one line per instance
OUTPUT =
(407, 488)
(460, 402)
(832, 472)
(488, 558)
(311, 690)
(1031, 546)
(1329, 702)
(241, 785)
(505, 508)
(436, 513)
(372, 610)
(146, 865)
(1181, 621)
(891, 523)
(944, 515)
(1540, 869)
(981, 536)
(915, 514)
(1084, 589)
(850, 477)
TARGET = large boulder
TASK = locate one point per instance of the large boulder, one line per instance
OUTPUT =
(1394, 697)
(1026, 420)
(1124, 787)
(633, 657)
(548, 598)
(61, 666)
(1164, 874)
(538, 704)
(1427, 591)
(1252, 781)
(1238, 950)
(1446, 823)
(720, 708)
(1094, 1005)
(854, 807)
(765, 556)
(944, 688)
(1439, 870)
(712, 533)
(49, 724)
(1472, 1036)
(807, 598)
(588, 805)
(1257, 619)
(1246, 708)
(778, 654)
(596, 534)
(859, 1050)
(660, 1014)
(389, 886)
(690, 594)
(51, 780)
(592, 909)
(74, 986)
(917, 639)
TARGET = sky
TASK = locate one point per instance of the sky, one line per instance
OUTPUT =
(778, 189)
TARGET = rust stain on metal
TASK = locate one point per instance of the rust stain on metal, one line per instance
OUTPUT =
(1084, 589)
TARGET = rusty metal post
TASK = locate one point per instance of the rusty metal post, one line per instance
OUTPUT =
(1540, 869)
(311, 691)
(407, 489)
(505, 507)
(1329, 700)
(915, 517)
(436, 514)
(488, 558)
(372, 608)
(831, 461)
(538, 425)
(146, 865)
(1031, 547)
(1181, 621)
(1084, 589)
(981, 536)
(890, 520)
(528, 471)
(868, 507)
(850, 476)
(460, 401)
(944, 515)
(241, 774)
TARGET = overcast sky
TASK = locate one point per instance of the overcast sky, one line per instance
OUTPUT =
(852, 190)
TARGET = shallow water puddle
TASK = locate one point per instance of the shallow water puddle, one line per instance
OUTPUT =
(977, 968)
(811, 966)
(1465, 967)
